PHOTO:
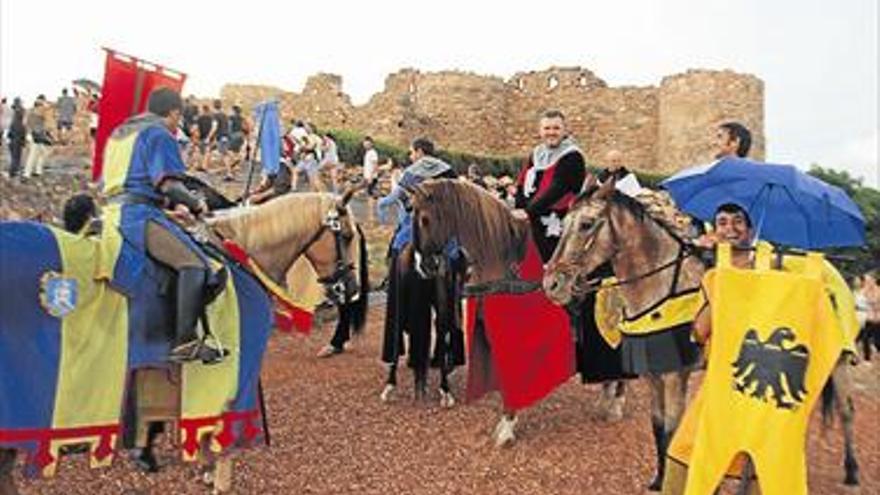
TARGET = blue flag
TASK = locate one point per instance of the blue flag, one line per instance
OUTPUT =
(266, 115)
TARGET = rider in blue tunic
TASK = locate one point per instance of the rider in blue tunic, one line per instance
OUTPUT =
(144, 172)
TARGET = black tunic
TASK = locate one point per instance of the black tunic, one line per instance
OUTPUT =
(596, 360)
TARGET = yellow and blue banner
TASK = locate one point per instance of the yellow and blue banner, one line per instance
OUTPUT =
(69, 345)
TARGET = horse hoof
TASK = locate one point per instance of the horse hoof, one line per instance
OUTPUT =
(145, 461)
(851, 479)
(504, 435)
(447, 400)
(505, 439)
(615, 412)
(208, 477)
(387, 393)
(656, 484)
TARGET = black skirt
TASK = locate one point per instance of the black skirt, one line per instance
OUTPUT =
(661, 352)
(597, 361)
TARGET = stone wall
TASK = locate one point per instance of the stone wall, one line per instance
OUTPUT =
(694, 103)
(657, 128)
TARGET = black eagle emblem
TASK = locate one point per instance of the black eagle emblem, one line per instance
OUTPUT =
(774, 364)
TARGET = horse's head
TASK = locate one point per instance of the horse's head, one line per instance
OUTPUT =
(446, 210)
(332, 251)
(587, 242)
(320, 227)
(432, 231)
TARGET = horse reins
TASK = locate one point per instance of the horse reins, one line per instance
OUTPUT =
(685, 250)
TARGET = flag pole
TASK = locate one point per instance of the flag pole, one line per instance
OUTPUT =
(250, 174)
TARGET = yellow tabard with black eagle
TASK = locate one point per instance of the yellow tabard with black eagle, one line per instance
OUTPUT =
(775, 339)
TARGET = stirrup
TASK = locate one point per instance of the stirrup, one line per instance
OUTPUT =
(214, 352)
(209, 355)
(197, 350)
(186, 352)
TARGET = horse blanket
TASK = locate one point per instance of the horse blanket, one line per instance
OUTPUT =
(523, 347)
(69, 344)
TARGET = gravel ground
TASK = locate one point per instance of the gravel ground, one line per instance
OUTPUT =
(331, 434)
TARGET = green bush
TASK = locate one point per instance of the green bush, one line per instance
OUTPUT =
(351, 151)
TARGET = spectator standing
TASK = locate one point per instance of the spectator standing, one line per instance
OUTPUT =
(92, 107)
(220, 137)
(239, 128)
(868, 297)
(188, 124)
(204, 125)
(330, 160)
(40, 139)
(371, 163)
(299, 133)
(17, 134)
(66, 107)
(5, 120)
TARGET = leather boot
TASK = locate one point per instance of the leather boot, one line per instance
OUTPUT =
(189, 306)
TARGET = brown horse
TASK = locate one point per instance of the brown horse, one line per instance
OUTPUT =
(653, 261)
(322, 230)
(494, 243)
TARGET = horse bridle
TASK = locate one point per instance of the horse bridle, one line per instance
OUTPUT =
(583, 285)
(335, 283)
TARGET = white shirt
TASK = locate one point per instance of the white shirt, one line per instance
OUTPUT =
(299, 134)
(371, 161)
(5, 116)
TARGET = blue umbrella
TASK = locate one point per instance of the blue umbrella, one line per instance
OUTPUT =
(786, 206)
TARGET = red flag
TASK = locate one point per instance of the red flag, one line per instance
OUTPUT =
(128, 82)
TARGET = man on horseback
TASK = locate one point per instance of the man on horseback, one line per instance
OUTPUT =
(546, 188)
(733, 139)
(143, 172)
(551, 179)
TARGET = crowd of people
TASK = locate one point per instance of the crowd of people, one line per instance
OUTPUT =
(29, 134)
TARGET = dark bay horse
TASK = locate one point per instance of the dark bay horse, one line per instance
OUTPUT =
(648, 248)
(322, 230)
(414, 299)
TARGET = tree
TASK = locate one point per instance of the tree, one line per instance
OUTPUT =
(868, 200)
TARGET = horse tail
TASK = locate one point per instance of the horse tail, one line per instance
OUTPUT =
(829, 398)
(359, 307)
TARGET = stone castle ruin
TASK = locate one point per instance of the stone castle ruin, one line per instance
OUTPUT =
(657, 128)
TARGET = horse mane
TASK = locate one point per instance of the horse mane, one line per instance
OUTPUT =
(658, 206)
(481, 222)
(263, 226)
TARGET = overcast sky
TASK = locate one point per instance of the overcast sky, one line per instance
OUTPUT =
(818, 59)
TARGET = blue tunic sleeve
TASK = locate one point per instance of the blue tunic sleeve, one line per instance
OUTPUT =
(165, 160)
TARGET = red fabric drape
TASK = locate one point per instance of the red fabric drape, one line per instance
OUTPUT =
(526, 349)
(126, 79)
